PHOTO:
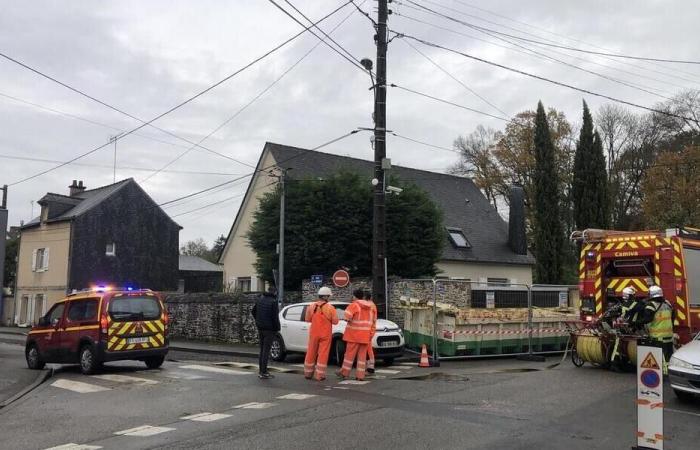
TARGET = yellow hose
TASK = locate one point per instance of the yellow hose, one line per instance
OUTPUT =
(632, 351)
(590, 349)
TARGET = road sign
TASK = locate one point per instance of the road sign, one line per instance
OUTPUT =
(316, 279)
(563, 299)
(650, 398)
(341, 278)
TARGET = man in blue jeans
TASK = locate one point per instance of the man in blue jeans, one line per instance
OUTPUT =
(266, 314)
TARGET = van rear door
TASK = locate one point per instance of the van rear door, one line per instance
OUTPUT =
(135, 322)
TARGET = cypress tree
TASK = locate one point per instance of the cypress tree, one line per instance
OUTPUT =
(548, 230)
(582, 190)
(599, 182)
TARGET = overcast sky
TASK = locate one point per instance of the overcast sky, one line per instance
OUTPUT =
(145, 57)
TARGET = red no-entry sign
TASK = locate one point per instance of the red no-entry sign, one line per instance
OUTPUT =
(341, 278)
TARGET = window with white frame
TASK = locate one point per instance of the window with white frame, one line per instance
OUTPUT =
(111, 249)
(40, 260)
(243, 284)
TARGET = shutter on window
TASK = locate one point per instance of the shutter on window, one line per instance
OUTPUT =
(46, 258)
(34, 260)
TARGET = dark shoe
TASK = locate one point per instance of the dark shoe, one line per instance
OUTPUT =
(268, 375)
(370, 370)
(340, 375)
(322, 379)
(308, 378)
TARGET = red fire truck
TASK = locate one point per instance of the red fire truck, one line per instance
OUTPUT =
(613, 260)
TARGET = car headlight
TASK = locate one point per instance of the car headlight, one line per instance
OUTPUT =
(680, 363)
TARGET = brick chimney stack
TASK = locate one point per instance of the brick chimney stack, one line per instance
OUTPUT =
(76, 188)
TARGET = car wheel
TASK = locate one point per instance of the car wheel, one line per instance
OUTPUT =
(34, 360)
(683, 396)
(388, 361)
(339, 351)
(154, 362)
(277, 351)
(88, 360)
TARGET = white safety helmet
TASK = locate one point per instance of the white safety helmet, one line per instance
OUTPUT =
(655, 292)
(325, 292)
(628, 292)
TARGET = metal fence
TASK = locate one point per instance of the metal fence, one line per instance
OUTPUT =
(450, 338)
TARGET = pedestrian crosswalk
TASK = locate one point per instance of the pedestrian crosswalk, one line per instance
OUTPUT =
(205, 417)
(144, 431)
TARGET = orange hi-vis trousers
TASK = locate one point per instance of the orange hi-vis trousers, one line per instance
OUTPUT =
(317, 357)
(355, 350)
(370, 357)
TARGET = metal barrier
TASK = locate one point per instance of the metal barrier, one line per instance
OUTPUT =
(477, 295)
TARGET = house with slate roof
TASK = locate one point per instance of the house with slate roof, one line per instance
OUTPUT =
(114, 234)
(478, 243)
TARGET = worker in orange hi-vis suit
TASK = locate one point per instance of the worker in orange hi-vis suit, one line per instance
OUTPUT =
(360, 317)
(322, 316)
(370, 350)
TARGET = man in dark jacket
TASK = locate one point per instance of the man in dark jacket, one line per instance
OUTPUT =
(266, 314)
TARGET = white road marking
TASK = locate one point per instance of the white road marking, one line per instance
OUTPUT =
(78, 386)
(72, 446)
(125, 379)
(294, 396)
(387, 371)
(355, 382)
(340, 387)
(298, 365)
(174, 374)
(403, 366)
(144, 431)
(205, 417)
(214, 369)
(255, 405)
(682, 412)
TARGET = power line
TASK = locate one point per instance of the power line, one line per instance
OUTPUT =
(441, 100)
(106, 166)
(351, 58)
(427, 144)
(558, 35)
(363, 12)
(247, 105)
(548, 80)
(227, 199)
(277, 164)
(183, 103)
(455, 78)
(83, 119)
(495, 35)
(574, 49)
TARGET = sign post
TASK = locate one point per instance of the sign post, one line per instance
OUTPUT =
(650, 398)
(341, 278)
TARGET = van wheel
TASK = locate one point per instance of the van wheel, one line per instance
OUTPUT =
(154, 362)
(683, 396)
(277, 351)
(34, 360)
(88, 360)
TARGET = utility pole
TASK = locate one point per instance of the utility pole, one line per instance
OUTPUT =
(114, 139)
(280, 251)
(3, 230)
(379, 198)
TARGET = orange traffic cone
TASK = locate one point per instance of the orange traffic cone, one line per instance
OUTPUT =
(424, 361)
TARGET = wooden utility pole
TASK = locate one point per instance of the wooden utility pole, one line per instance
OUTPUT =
(280, 268)
(379, 198)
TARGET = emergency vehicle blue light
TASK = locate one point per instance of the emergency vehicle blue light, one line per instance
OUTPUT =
(129, 288)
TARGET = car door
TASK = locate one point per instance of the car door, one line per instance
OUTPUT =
(295, 331)
(49, 339)
(80, 321)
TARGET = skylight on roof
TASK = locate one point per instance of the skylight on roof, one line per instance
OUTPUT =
(458, 239)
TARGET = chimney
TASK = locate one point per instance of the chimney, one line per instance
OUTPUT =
(517, 239)
(76, 188)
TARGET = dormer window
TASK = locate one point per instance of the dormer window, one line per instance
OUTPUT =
(111, 249)
(457, 238)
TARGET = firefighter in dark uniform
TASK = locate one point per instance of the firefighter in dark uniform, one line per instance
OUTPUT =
(657, 315)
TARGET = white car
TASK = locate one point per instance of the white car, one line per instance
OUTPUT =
(388, 341)
(684, 369)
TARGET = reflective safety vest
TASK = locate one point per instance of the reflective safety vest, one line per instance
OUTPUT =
(322, 316)
(361, 318)
(661, 327)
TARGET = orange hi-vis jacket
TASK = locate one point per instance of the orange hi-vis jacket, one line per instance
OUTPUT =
(322, 316)
(361, 318)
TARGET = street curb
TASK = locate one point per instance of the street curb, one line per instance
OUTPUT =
(43, 376)
(12, 341)
(13, 331)
(214, 351)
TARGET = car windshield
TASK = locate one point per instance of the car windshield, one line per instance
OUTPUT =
(134, 308)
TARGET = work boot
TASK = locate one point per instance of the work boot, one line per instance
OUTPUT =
(340, 375)
(370, 370)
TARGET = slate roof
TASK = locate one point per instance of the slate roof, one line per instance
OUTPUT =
(462, 203)
(197, 264)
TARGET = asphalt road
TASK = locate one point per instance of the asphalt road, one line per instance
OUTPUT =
(194, 402)
(14, 375)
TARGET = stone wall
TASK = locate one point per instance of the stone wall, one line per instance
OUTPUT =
(213, 317)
